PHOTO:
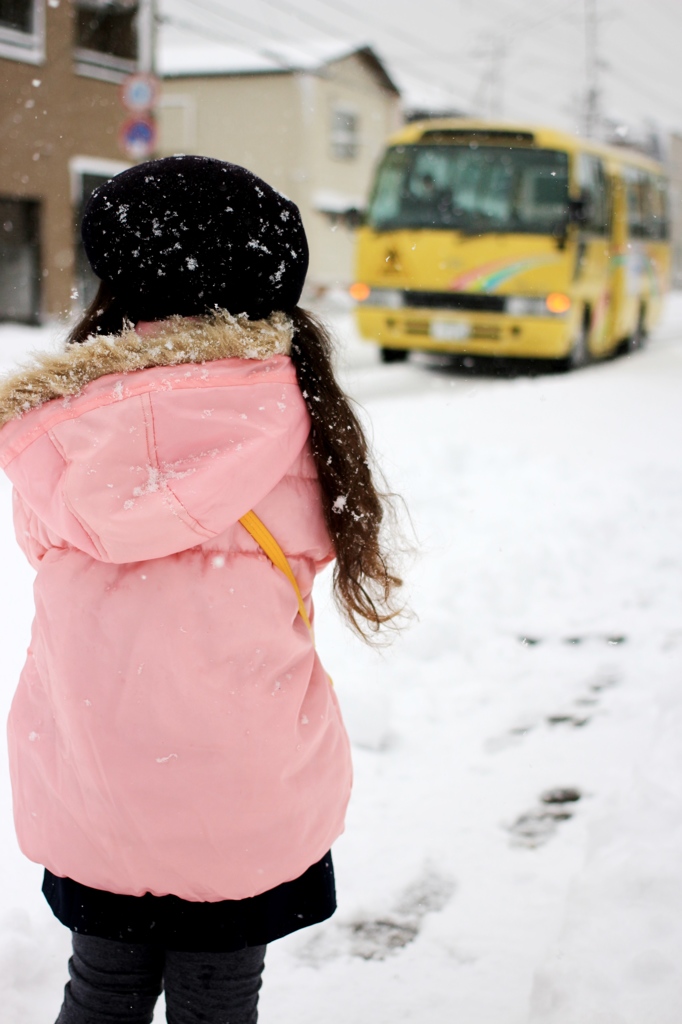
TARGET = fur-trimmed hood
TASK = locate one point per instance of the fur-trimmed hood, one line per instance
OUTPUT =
(167, 651)
(170, 342)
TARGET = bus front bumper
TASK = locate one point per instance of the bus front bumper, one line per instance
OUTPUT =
(467, 332)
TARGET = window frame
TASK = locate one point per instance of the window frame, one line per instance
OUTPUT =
(98, 64)
(79, 167)
(34, 213)
(340, 135)
(27, 47)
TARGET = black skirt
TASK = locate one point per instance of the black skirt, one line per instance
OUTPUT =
(178, 924)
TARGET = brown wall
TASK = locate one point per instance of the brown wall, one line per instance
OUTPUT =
(41, 128)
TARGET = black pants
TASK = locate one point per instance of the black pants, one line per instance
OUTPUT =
(117, 983)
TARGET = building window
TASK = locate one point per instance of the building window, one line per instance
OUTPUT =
(106, 38)
(87, 174)
(17, 15)
(22, 30)
(345, 141)
(19, 260)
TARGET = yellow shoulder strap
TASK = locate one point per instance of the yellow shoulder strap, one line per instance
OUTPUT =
(267, 542)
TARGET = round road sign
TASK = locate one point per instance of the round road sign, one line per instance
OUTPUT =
(139, 92)
(138, 137)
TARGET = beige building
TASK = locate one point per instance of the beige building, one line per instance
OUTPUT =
(61, 67)
(312, 126)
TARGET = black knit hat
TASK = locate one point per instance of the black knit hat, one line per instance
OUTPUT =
(185, 234)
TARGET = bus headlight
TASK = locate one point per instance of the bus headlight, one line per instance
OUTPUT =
(359, 291)
(558, 303)
(554, 304)
(390, 298)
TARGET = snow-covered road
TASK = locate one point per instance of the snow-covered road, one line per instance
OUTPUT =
(545, 664)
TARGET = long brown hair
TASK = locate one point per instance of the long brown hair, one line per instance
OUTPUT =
(357, 513)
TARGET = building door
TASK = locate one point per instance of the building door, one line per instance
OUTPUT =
(19, 260)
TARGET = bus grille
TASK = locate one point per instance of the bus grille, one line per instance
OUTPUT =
(416, 327)
(482, 332)
(455, 300)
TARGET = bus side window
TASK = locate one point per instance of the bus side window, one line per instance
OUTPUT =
(634, 192)
(664, 207)
(647, 207)
(657, 208)
(604, 192)
(593, 188)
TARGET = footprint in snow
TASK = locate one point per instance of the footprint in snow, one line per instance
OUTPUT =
(576, 721)
(613, 640)
(375, 938)
(535, 827)
(604, 683)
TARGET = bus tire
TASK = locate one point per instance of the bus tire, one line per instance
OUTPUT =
(580, 351)
(393, 355)
(638, 338)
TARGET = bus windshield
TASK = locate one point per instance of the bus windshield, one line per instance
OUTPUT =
(473, 189)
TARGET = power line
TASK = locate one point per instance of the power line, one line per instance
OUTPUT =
(348, 11)
(237, 19)
(492, 81)
(253, 26)
(305, 18)
(626, 80)
(332, 31)
(213, 34)
(591, 68)
(209, 33)
(533, 23)
(491, 86)
(656, 44)
(415, 43)
(410, 68)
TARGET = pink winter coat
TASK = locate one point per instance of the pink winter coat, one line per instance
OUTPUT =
(173, 730)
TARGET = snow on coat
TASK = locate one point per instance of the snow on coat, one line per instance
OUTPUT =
(173, 730)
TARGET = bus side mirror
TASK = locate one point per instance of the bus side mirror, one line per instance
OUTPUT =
(354, 218)
(580, 208)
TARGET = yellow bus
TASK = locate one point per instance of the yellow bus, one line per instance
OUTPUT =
(497, 240)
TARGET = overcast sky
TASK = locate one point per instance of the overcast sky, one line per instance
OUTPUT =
(518, 59)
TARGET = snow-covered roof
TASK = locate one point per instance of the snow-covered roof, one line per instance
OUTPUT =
(329, 200)
(177, 60)
(211, 59)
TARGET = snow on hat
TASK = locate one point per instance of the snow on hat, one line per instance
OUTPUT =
(185, 234)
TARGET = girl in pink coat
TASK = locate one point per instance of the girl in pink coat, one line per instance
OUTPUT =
(181, 473)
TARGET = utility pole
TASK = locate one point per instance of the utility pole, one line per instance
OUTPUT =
(497, 55)
(146, 34)
(489, 96)
(591, 69)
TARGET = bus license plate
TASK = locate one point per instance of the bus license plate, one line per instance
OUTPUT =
(450, 330)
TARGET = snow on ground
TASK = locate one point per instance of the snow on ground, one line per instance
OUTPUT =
(545, 661)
